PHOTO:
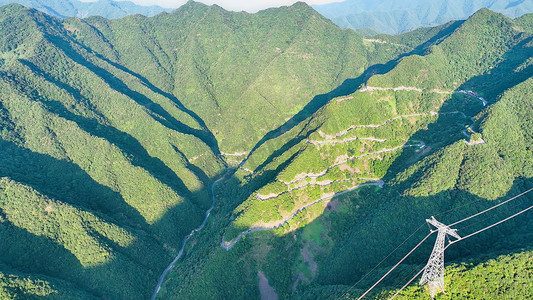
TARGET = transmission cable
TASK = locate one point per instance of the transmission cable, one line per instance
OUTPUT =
(465, 237)
(408, 283)
(396, 265)
(431, 232)
(439, 214)
(368, 273)
(416, 269)
(489, 219)
(490, 208)
(490, 226)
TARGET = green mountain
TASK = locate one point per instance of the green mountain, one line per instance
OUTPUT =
(112, 132)
(394, 17)
(232, 69)
(444, 130)
(265, 153)
(74, 8)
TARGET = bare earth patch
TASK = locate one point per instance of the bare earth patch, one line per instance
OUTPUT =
(266, 290)
(333, 204)
(346, 167)
(309, 258)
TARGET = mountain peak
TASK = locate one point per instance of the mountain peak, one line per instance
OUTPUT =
(13, 7)
(484, 12)
(485, 15)
(301, 4)
(192, 5)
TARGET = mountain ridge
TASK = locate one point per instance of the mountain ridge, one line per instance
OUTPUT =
(112, 133)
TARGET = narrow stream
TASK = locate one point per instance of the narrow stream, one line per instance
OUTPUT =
(186, 239)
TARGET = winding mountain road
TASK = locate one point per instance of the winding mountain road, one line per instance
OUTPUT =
(319, 183)
(344, 132)
(333, 139)
(229, 244)
(318, 175)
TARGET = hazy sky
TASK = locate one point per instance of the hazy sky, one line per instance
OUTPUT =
(236, 5)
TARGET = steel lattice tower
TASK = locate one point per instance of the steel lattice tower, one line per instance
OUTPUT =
(434, 270)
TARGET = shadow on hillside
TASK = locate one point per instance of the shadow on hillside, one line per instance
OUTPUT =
(364, 231)
(158, 112)
(511, 71)
(32, 254)
(127, 144)
(492, 84)
(442, 35)
(390, 218)
(375, 223)
(349, 86)
(154, 89)
(64, 181)
(391, 212)
(130, 272)
(302, 135)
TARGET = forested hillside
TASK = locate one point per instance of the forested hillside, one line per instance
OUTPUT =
(257, 150)
(242, 74)
(100, 178)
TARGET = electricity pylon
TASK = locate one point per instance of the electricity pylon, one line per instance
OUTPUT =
(434, 270)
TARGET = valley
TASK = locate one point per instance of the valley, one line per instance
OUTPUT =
(209, 154)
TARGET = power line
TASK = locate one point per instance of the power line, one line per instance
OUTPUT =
(408, 283)
(368, 273)
(465, 237)
(415, 270)
(396, 265)
(495, 224)
(489, 219)
(439, 214)
(445, 212)
(490, 208)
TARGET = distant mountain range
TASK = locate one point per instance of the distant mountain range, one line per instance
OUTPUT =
(366, 16)
(393, 17)
(73, 8)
